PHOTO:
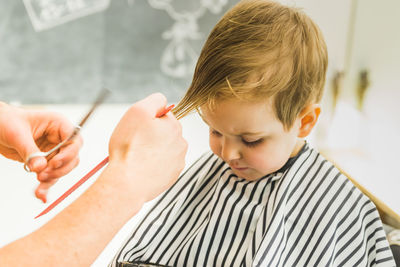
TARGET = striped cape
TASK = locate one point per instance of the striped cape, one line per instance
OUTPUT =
(306, 214)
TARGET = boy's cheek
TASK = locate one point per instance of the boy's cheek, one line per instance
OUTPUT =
(215, 146)
(264, 162)
(257, 161)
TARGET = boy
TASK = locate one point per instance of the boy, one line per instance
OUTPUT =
(263, 197)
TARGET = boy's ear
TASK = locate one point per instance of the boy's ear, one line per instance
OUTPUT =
(308, 118)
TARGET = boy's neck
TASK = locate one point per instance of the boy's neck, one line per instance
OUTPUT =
(299, 144)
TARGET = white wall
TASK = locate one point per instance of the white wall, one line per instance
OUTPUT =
(368, 140)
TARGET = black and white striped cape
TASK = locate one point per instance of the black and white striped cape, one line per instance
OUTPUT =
(306, 214)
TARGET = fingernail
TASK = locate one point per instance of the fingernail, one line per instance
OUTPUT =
(43, 199)
(35, 164)
(41, 194)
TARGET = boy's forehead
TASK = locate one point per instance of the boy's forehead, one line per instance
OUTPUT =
(239, 107)
(239, 116)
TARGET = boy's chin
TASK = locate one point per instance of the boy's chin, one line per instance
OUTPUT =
(250, 174)
(247, 174)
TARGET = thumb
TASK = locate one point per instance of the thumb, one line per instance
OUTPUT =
(26, 146)
(37, 164)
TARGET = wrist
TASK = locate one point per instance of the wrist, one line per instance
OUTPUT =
(123, 182)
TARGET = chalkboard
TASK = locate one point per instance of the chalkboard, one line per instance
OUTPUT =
(132, 47)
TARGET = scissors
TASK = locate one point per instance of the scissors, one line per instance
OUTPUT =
(102, 96)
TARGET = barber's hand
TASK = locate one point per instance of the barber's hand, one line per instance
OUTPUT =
(23, 132)
(150, 151)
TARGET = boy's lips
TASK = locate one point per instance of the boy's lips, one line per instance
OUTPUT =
(239, 168)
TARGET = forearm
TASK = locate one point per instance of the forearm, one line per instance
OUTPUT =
(77, 235)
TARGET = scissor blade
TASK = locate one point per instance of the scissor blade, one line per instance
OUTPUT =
(100, 99)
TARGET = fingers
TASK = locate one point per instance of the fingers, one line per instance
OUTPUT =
(65, 161)
(56, 129)
(152, 104)
(10, 153)
(49, 177)
(20, 138)
(27, 146)
(37, 164)
(49, 173)
(141, 141)
(51, 125)
(149, 106)
(43, 188)
(61, 164)
(66, 154)
(57, 159)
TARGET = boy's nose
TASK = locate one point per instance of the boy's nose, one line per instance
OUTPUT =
(229, 152)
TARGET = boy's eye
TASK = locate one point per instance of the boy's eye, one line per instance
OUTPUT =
(252, 143)
(245, 142)
(214, 132)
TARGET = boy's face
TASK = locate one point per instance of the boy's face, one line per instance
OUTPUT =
(250, 138)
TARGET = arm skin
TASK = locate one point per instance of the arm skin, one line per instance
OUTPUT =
(78, 234)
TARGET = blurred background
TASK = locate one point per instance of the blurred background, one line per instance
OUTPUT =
(58, 54)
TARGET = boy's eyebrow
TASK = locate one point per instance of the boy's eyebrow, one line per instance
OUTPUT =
(241, 134)
(249, 133)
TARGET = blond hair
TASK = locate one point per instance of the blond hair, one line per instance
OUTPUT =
(260, 49)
